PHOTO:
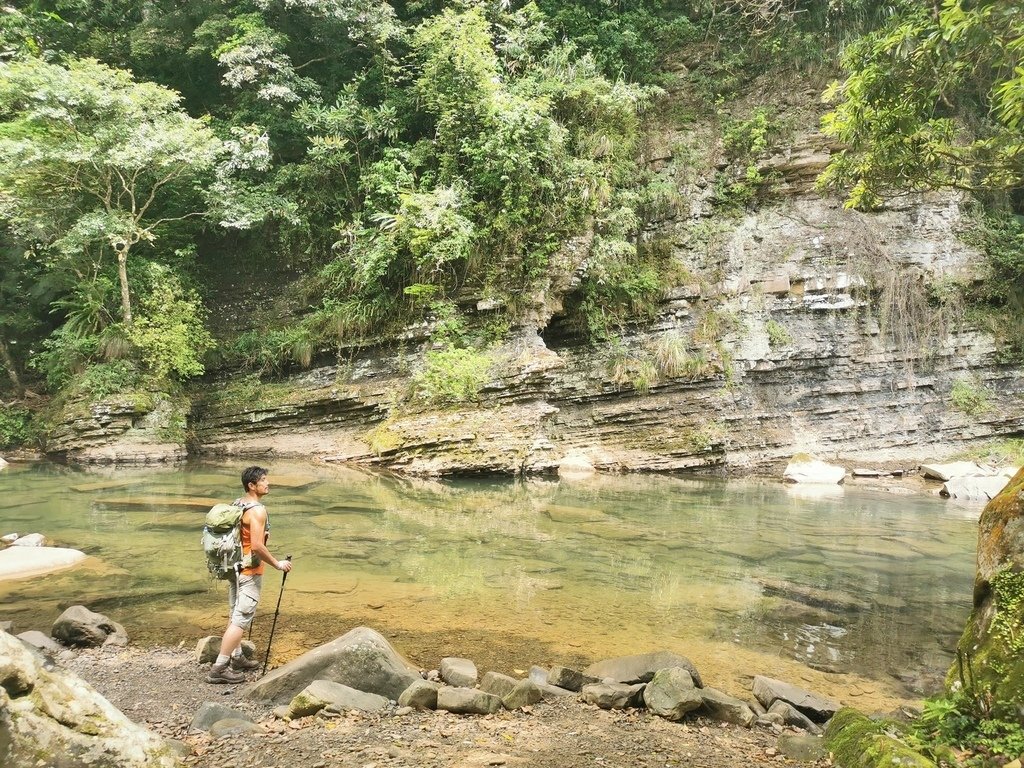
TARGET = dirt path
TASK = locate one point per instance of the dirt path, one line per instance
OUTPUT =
(163, 688)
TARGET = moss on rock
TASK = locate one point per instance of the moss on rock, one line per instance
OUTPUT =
(859, 742)
(991, 649)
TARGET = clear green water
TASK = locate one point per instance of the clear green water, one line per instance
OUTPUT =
(865, 592)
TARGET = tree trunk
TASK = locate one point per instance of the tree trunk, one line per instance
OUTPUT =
(12, 371)
(122, 275)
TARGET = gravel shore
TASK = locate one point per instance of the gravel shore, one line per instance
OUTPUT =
(163, 688)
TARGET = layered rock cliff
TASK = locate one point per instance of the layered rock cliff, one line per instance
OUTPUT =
(778, 345)
(801, 327)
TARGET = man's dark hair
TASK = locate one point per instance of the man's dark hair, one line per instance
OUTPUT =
(252, 475)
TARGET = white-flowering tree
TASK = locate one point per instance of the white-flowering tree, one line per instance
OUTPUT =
(93, 163)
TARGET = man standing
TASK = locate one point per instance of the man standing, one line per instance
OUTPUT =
(244, 587)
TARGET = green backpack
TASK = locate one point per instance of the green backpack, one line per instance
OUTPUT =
(222, 540)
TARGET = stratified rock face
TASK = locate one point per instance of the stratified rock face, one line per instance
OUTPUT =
(991, 641)
(122, 430)
(799, 363)
(50, 717)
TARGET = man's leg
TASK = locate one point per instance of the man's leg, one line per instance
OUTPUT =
(244, 595)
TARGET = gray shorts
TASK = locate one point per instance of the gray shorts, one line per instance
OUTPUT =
(243, 597)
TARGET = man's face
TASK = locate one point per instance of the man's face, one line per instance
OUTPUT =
(261, 487)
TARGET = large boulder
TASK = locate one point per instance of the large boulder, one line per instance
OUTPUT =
(858, 742)
(361, 659)
(80, 627)
(996, 662)
(640, 668)
(51, 717)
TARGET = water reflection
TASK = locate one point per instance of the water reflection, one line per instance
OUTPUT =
(861, 583)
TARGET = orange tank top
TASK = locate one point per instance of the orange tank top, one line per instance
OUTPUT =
(256, 570)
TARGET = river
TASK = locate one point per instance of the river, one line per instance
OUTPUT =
(860, 593)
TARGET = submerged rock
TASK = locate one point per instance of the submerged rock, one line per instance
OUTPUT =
(22, 562)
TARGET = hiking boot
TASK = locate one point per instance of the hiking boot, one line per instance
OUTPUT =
(242, 664)
(221, 673)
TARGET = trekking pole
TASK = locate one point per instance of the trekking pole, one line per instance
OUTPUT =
(273, 625)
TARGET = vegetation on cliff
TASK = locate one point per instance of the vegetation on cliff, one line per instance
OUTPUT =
(400, 159)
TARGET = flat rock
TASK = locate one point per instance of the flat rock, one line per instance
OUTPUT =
(41, 641)
(813, 471)
(31, 540)
(211, 712)
(973, 487)
(802, 747)
(573, 515)
(614, 695)
(570, 679)
(641, 667)
(723, 707)
(793, 716)
(333, 697)
(467, 701)
(461, 673)
(157, 502)
(525, 693)
(953, 469)
(233, 726)
(22, 562)
(767, 690)
(208, 648)
(575, 465)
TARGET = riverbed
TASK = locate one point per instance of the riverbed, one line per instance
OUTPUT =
(861, 594)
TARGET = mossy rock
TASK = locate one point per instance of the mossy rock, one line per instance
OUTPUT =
(856, 741)
(991, 650)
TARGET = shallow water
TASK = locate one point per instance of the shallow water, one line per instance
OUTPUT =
(862, 594)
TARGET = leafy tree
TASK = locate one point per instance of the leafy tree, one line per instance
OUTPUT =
(935, 98)
(93, 163)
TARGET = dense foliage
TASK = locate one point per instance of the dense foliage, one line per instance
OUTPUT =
(399, 158)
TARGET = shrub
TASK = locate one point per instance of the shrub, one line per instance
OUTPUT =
(170, 334)
(778, 336)
(452, 375)
(16, 427)
(969, 397)
(105, 379)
